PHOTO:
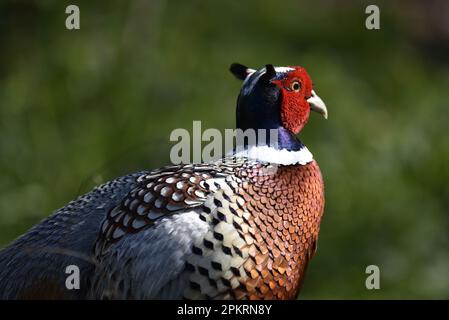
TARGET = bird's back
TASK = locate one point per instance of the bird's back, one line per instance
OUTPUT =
(34, 265)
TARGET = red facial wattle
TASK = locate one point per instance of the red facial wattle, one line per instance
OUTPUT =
(295, 109)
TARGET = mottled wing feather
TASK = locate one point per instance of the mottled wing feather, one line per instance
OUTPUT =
(161, 193)
(142, 228)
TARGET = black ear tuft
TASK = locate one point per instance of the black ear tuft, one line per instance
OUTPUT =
(270, 73)
(239, 70)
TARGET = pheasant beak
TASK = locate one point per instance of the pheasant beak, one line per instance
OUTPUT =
(317, 105)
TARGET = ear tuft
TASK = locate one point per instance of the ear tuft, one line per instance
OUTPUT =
(239, 71)
(270, 73)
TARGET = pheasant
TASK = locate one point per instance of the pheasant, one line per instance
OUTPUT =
(241, 227)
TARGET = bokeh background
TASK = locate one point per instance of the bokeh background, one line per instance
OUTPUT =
(78, 108)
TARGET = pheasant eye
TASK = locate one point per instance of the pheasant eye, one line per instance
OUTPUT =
(296, 86)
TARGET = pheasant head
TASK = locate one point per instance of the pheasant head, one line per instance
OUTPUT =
(276, 98)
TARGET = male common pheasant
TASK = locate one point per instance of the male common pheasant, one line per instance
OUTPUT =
(242, 227)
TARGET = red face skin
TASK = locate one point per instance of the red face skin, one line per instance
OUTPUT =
(295, 109)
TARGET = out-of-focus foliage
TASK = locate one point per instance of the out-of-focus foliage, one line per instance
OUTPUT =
(80, 107)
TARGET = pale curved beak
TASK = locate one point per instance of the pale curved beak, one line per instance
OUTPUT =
(317, 105)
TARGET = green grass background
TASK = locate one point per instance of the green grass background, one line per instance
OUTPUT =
(81, 107)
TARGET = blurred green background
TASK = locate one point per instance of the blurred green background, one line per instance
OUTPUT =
(78, 108)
